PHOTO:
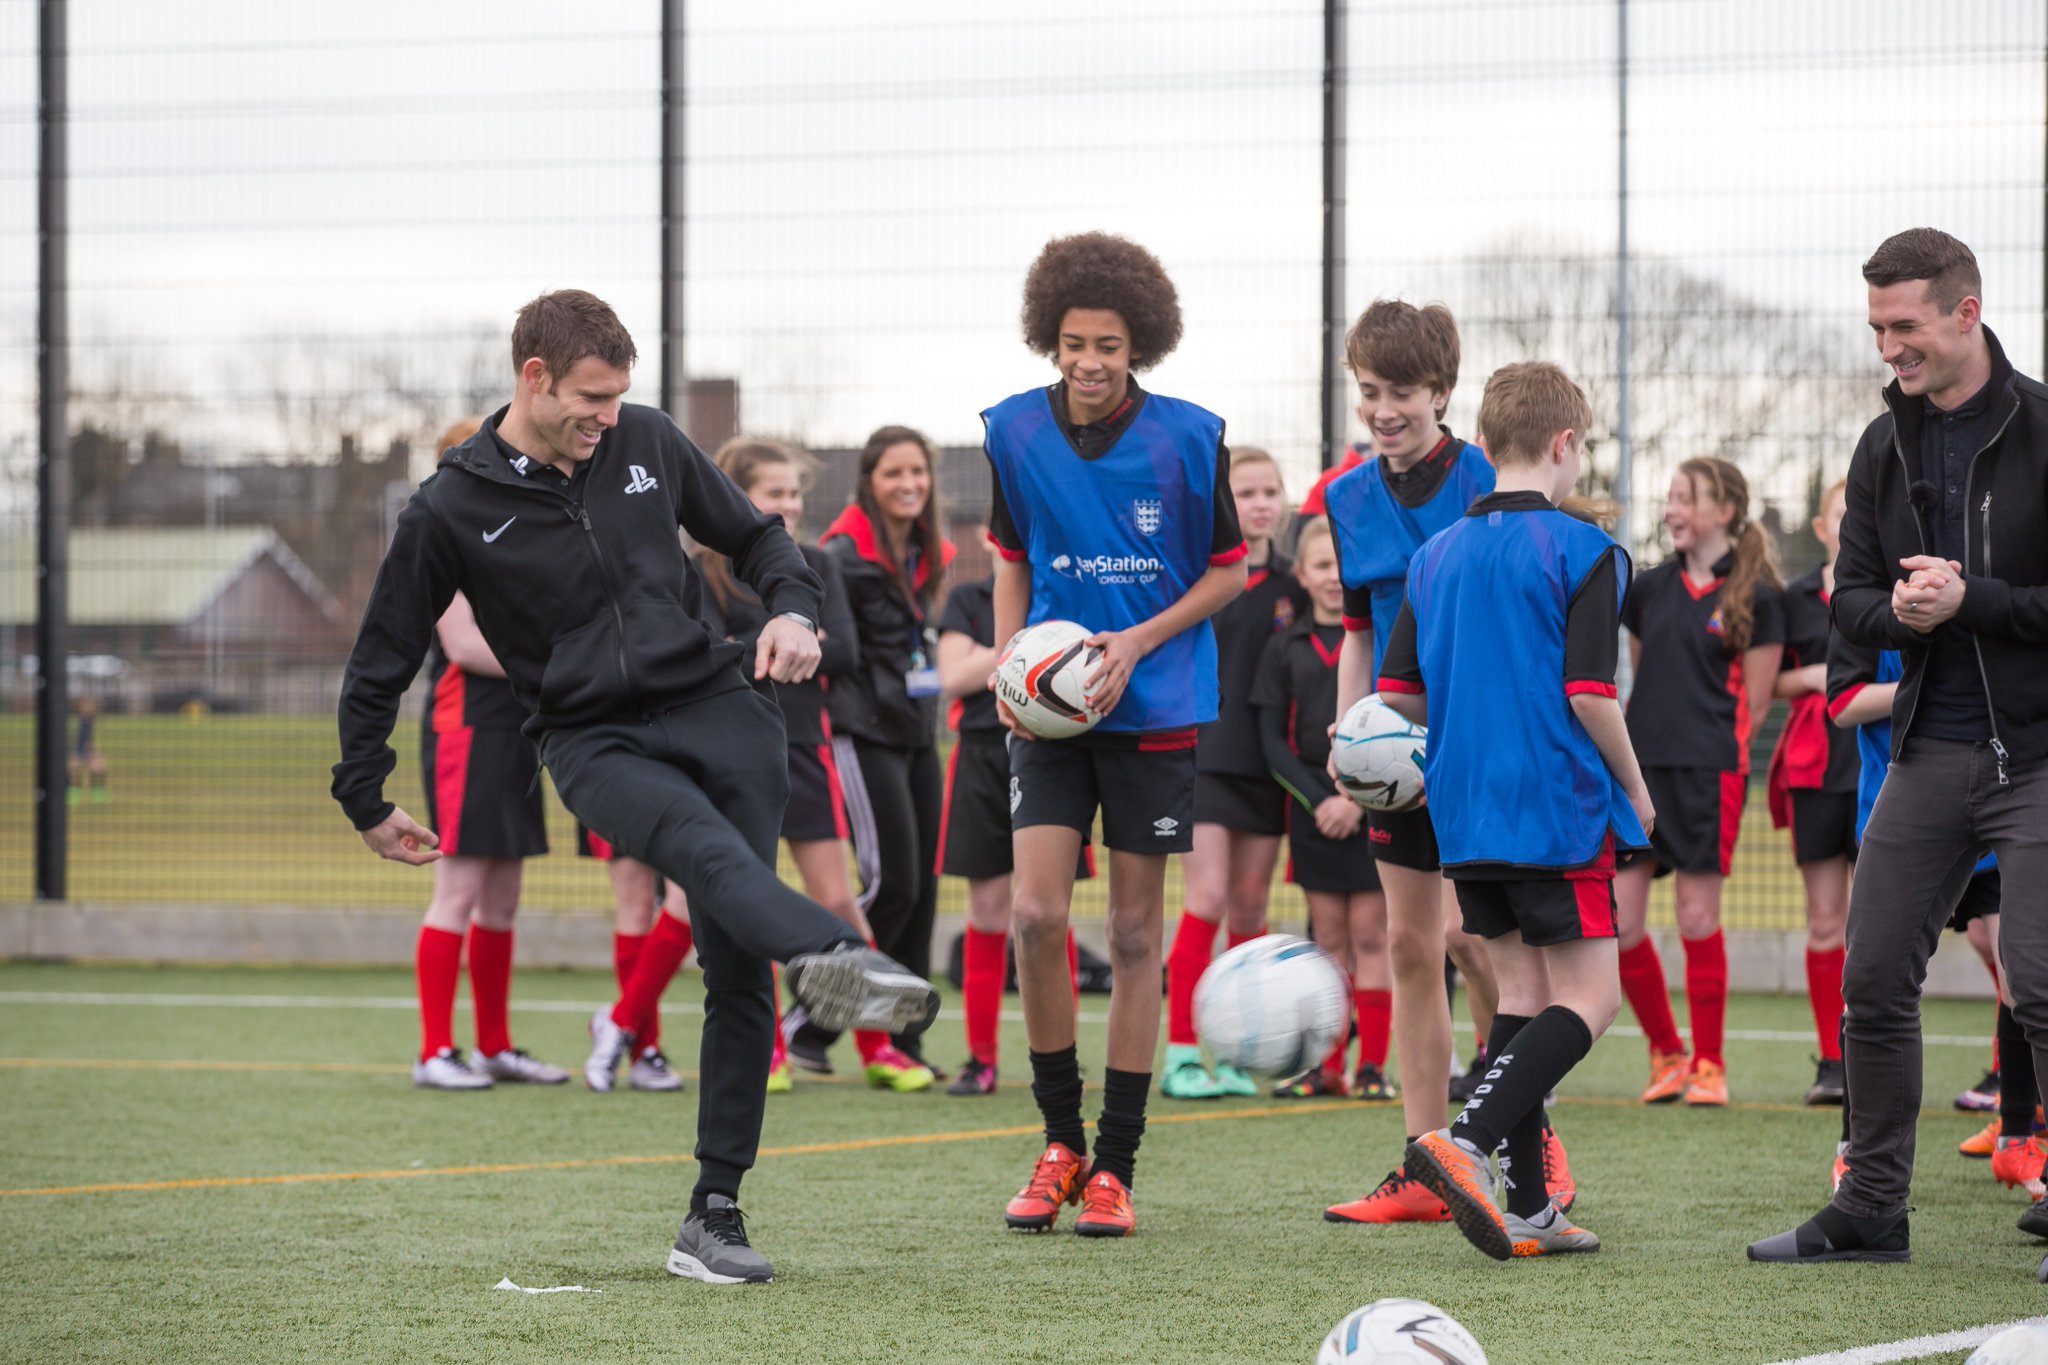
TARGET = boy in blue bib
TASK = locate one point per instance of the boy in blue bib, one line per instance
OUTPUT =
(1112, 508)
(1506, 648)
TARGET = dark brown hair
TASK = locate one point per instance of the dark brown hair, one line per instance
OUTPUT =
(742, 459)
(1929, 254)
(1525, 406)
(1097, 270)
(1756, 559)
(564, 326)
(1403, 344)
(925, 531)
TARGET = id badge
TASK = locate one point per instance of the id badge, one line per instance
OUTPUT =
(921, 679)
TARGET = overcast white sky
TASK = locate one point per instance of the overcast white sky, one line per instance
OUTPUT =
(868, 182)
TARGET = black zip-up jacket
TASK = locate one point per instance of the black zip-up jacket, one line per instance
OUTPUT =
(803, 704)
(581, 589)
(873, 702)
(2005, 556)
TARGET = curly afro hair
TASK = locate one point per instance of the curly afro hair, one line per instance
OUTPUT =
(1097, 270)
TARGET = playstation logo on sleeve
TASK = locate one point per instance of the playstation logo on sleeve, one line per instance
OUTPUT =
(641, 480)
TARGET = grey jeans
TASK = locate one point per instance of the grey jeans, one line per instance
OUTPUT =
(1941, 808)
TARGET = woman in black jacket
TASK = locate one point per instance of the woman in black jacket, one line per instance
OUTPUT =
(885, 712)
(774, 477)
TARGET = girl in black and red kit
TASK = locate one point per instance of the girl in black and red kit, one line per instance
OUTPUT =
(1329, 855)
(885, 721)
(774, 478)
(1239, 812)
(1706, 630)
(1812, 788)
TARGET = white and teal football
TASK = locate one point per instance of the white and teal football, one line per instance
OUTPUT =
(1378, 755)
(2025, 1344)
(1400, 1332)
(1274, 1006)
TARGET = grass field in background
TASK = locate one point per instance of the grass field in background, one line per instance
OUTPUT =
(881, 1212)
(234, 810)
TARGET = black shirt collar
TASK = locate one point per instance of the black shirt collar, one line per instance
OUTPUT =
(525, 465)
(1514, 500)
(1091, 439)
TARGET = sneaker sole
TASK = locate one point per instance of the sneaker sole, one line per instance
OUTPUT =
(1883, 1257)
(452, 1089)
(1102, 1230)
(682, 1263)
(1030, 1223)
(839, 994)
(1479, 1222)
(665, 1089)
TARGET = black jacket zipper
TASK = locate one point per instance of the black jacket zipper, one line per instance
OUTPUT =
(611, 596)
(1977, 646)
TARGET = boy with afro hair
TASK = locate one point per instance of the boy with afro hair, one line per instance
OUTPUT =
(1111, 507)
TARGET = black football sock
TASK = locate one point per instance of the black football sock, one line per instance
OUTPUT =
(1521, 1157)
(1056, 1085)
(1122, 1124)
(2019, 1089)
(1542, 1052)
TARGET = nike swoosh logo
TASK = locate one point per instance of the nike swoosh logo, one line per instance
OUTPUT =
(490, 536)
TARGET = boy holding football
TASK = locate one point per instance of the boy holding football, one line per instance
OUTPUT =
(1506, 648)
(1111, 507)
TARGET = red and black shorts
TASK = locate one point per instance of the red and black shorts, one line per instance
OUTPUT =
(1146, 796)
(974, 826)
(1316, 862)
(1823, 825)
(1699, 815)
(1545, 908)
(591, 844)
(1404, 838)
(815, 810)
(483, 793)
(1246, 805)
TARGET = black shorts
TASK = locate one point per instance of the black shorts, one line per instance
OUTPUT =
(1404, 838)
(815, 810)
(1316, 863)
(1699, 813)
(1823, 826)
(483, 793)
(974, 830)
(1146, 796)
(591, 844)
(1545, 910)
(1980, 898)
(1248, 805)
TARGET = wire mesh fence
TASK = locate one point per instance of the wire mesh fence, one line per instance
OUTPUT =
(298, 237)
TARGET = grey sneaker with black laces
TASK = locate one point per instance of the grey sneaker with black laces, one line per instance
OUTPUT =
(712, 1246)
(609, 1045)
(651, 1071)
(854, 986)
(446, 1070)
(1549, 1233)
(516, 1065)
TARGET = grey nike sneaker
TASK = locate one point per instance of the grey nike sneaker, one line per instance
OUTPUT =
(446, 1070)
(712, 1246)
(1549, 1233)
(515, 1064)
(854, 986)
(608, 1047)
(650, 1071)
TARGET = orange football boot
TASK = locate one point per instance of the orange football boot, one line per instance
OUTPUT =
(2019, 1164)
(1557, 1172)
(1982, 1143)
(1399, 1199)
(1464, 1180)
(1668, 1072)
(1055, 1180)
(1105, 1208)
(1708, 1088)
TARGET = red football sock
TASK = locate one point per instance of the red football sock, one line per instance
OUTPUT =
(1232, 938)
(1706, 993)
(490, 987)
(1824, 990)
(639, 1007)
(1074, 966)
(1333, 1065)
(1642, 981)
(437, 964)
(1194, 943)
(625, 952)
(981, 990)
(1375, 1025)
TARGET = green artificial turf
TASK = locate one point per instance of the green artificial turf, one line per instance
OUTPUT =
(889, 1247)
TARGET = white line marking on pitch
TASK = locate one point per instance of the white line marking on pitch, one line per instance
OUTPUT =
(406, 1002)
(1915, 1348)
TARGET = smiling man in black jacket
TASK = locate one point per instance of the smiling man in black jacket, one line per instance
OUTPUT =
(1944, 558)
(558, 522)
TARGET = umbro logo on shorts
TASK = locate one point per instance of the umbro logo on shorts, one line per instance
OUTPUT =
(641, 480)
(490, 536)
(1164, 826)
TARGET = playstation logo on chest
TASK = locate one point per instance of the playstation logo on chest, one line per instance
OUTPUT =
(641, 481)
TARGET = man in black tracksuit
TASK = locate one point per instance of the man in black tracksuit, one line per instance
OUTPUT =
(1944, 557)
(558, 521)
